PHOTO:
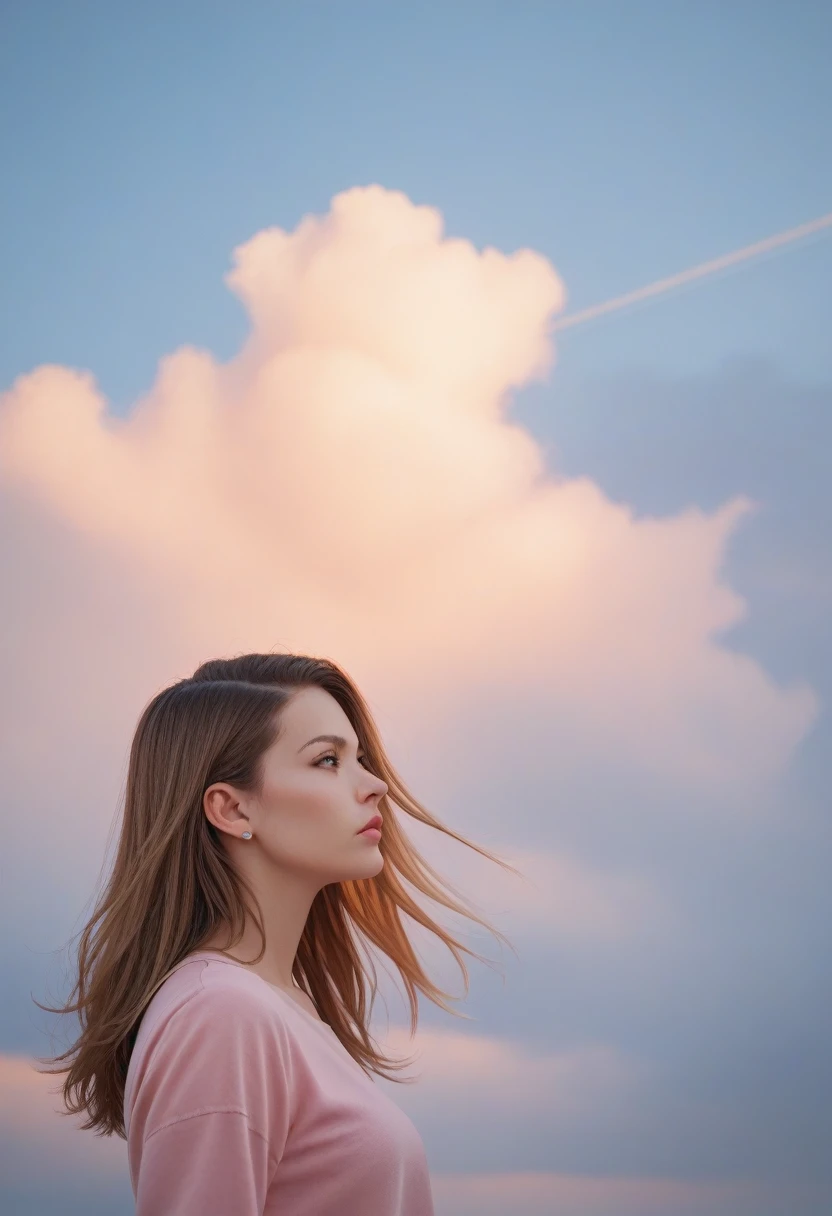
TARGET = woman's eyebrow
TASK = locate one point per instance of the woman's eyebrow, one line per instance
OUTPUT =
(336, 739)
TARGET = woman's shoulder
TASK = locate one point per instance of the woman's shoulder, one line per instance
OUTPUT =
(204, 1003)
(209, 1044)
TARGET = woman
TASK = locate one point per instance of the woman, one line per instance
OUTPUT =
(243, 1085)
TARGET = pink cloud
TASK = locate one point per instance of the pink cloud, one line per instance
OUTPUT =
(351, 484)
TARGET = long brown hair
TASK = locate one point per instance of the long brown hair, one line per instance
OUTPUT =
(172, 884)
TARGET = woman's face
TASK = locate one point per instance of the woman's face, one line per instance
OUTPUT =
(317, 796)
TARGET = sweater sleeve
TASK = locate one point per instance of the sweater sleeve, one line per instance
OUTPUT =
(213, 1111)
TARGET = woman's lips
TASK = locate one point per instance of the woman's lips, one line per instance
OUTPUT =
(375, 822)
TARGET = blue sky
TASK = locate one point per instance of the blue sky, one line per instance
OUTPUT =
(140, 145)
(625, 142)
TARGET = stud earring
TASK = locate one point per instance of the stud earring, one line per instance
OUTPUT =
(246, 835)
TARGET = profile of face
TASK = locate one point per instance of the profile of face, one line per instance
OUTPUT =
(317, 795)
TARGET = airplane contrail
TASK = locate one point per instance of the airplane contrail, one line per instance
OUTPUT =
(695, 272)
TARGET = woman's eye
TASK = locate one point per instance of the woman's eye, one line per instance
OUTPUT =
(331, 756)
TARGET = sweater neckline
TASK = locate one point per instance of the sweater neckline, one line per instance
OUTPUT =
(215, 956)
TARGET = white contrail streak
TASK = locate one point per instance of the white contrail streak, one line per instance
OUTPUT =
(695, 272)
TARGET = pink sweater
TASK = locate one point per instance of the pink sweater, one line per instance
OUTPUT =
(238, 1102)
